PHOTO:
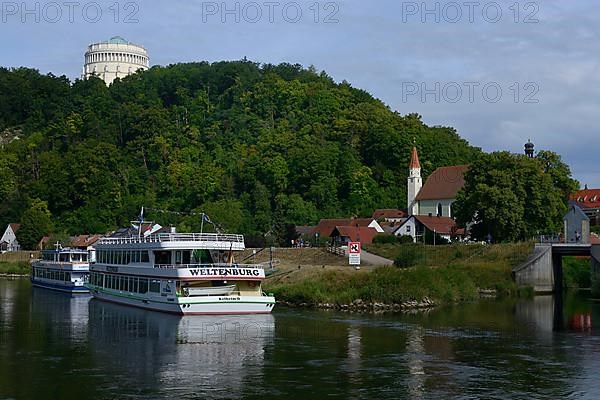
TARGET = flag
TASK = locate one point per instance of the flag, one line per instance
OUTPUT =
(142, 216)
(206, 219)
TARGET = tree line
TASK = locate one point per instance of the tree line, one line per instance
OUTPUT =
(258, 147)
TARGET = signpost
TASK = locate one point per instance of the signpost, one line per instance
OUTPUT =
(354, 253)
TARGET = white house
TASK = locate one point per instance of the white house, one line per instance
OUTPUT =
(8, 241)
(417, 225)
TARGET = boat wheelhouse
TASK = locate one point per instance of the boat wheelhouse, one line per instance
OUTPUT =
(180, 273)
(62, 269)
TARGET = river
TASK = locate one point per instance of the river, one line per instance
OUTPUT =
(53, 346)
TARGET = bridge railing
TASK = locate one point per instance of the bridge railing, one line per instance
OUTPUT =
(550, 239)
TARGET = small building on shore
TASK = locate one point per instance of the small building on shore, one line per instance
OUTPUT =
(588, 200)
(418, 226)
(8, 241)
(577, 226)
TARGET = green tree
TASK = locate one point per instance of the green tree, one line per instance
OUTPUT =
(35, 223)
(512, 197)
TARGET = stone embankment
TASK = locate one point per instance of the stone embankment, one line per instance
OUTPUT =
(366, 307)
(361, 306)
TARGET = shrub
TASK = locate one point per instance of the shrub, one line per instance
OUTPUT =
(410, 255)
(384, 238)
(405, 239)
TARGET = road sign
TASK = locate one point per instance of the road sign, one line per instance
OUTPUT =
(354, 248)
(354, 253)
(354, 259)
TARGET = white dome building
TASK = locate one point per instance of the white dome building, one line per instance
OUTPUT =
(114, 58)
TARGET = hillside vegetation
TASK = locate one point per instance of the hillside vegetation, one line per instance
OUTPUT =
(257, 147)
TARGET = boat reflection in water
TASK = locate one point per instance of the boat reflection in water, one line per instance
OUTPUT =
(66, 315)
(180, 355)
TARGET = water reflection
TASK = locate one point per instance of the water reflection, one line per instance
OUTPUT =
(173, 355)
(66, 315)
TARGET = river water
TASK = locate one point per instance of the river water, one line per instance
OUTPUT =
(53, 346)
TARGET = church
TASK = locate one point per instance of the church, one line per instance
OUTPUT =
(430, 204)
(435, 198)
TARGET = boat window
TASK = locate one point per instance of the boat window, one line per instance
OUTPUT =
(68, 276)
(136, 256)
(162, 257)
(64, 257)
(133, 284)
(202, 256)
(84, 257)
(155, 286)
(145, 257)
(75, 257)
(178, 257)
(143, 285)
(186, 257)
(127, 258)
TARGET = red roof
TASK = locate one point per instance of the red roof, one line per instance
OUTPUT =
(441, 225)
(84, 240)
(414, 159)
(389, 213)
(587, 198)
(15, 227)
(326, 226)
(444, 183)
(355, 234)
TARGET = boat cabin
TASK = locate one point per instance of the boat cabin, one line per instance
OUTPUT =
(65, 256)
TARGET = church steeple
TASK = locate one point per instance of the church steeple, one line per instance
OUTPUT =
(415, 183)
(414, 160)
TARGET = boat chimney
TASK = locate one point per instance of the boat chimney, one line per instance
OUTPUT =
(173, 229)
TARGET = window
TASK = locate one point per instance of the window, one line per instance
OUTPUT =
(439, 210)
(408, 228)
(145, 257)
(143, 285)
(178, 257)
(155, 286)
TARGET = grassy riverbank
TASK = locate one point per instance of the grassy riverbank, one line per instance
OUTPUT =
(14, 268)
(445, 274)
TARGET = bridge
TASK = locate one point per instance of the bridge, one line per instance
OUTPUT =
(543, 269)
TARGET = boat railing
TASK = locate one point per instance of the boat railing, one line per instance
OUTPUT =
(187, 266)
(175, 237)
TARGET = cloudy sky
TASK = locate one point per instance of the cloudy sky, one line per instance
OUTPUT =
(499, 72)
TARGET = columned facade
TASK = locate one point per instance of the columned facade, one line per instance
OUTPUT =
(115, 58)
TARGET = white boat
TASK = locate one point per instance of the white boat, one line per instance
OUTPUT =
(62, 269)
(179, 273)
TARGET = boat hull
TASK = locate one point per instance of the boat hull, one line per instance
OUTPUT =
(60, 287)
(209, 305)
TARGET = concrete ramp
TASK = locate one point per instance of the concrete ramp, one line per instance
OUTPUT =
(537, 271)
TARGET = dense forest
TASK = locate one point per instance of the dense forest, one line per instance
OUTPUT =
(256, 147)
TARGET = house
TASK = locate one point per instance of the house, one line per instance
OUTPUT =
(8, 241)
(86, 242)
(588, 200)
(577, 226)
(390, 215)
(326, 226)
(342, 235)
(436, 196)
(417, 226)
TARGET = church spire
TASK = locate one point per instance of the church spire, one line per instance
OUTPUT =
(414, 183)
(414, 159)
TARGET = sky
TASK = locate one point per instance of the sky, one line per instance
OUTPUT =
(500, 72)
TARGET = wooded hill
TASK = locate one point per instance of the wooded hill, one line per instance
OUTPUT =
(254, 146)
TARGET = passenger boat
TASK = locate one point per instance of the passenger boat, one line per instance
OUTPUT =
(62, 269)
(179, 273)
